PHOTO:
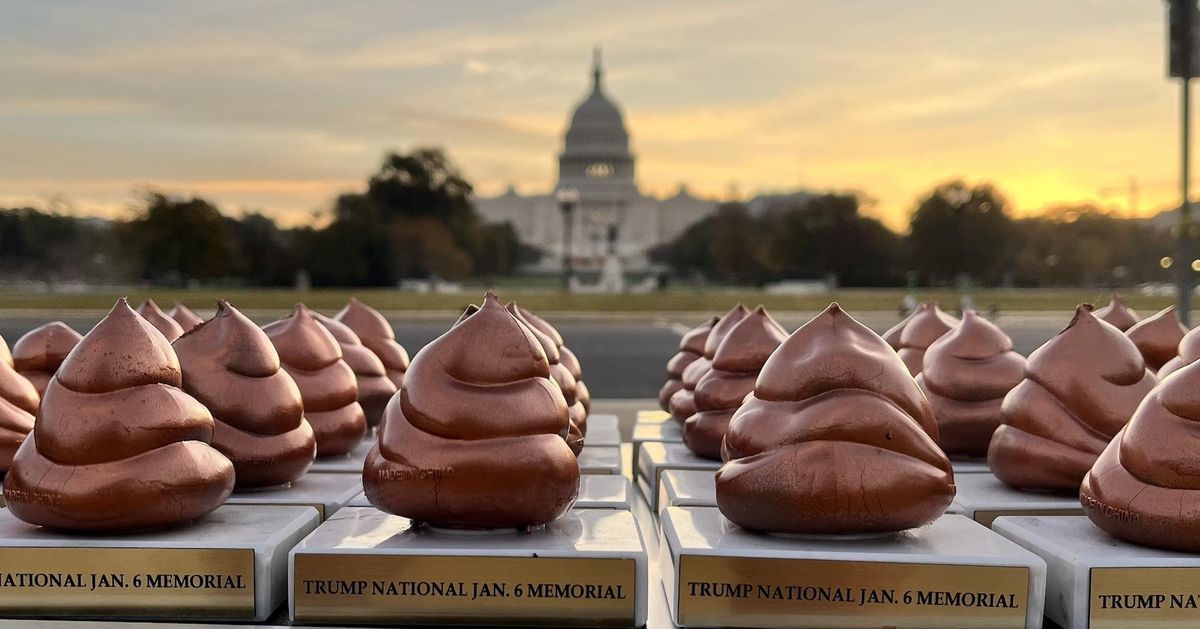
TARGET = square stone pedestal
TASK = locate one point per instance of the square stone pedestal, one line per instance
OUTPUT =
(655, 458)
(687, 488)
(596, 491)
(970, 466)
(326, 492)
(600, 460)
(232, 564)
(349, 463)
(603, 430)
(652, 416)
(984, 498)
(655, 432)
(362, 566)
(1096, 580)
(951, 573)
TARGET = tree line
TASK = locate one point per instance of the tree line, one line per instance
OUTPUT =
(959, 234)
(416, 220)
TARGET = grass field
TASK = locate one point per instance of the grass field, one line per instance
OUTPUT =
(713, 300)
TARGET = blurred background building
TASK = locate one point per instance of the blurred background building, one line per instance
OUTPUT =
(596, 163)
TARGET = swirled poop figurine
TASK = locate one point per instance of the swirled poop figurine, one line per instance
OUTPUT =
(561, 376)
(1188, 353)
(735, 367)
(965, 376)
(1145, 487)
(691, 349)
(913, 336)
(1118, 314)
(476, 438)
(39, 352)
(184, 316)
(313, 358)
(18, 406)
(376, 333)
(566, 357)
(375, 389)
(836, 439)
(231, 367)
(683, 402)
(160, 320)
(1080, 389)
(118, 445)
(1158, 337)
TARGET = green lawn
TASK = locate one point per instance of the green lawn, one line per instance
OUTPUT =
(713, 300)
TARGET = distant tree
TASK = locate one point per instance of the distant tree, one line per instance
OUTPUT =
(959, 228)
(266, 253)
(827, 235)
(178, 240)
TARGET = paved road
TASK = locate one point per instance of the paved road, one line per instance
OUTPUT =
(622, 358)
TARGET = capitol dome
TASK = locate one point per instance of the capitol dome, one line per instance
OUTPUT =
(596, 145)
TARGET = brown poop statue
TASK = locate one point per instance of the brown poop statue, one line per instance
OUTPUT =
(550, 341)
(566, 357)
(313, 358)
(117, 445)
(926, 325)
(476, 437)
(1145, 487)
(683, 402)
(735, 367)
(691, 349)
(375, 389)
(39, 352)
(966, 375)
(1080, 388)
(185, 317)
(376, 333)
(835, 439)
(1189, 352)
(18, 406)
(1158, 337)
(160, 320)
(231, 366)
(1118, 314)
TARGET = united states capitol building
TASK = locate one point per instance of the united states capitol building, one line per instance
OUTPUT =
(597, 174)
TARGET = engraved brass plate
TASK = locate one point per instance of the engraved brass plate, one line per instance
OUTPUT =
(127, 582)
(1144, 598)
(759, 592)
(986, 518)
(545, 591)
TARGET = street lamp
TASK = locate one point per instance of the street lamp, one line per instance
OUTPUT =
(567, 198)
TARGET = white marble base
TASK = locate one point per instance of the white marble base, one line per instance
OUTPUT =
(327, 492)
(230, 565)
(364, 566)
(951, 573)
(596, 491)
(600, 460)
(349, 463)
(603, 430)
(654, 458)
(1096, 580)
(652, 416)
(983, 498)
(652, 432)
(687, 488)
(970, 466)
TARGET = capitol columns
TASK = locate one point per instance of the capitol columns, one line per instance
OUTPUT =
(568, 198)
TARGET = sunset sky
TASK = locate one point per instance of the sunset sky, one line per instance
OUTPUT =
(279, 105)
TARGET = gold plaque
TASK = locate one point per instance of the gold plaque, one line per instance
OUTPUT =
(759, 592)
(986, 518)
(1143, 598)
(126, 582)
(653, 417)
(414, 589)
